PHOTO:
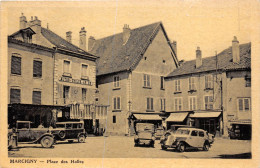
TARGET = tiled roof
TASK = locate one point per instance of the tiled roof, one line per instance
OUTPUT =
(225, 62)
(116, 56)
(60, 42)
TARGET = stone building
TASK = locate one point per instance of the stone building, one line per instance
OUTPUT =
(212, 93)
(47, 70)
(130, 75)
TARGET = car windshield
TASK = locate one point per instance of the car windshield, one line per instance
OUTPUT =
(182, 131)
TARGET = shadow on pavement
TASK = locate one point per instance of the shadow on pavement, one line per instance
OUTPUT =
(236, 156)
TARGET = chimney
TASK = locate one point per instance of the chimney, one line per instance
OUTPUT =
(82, 38)
(174, 45)
(126, 33)
(91, 42)
(23, 22)
(235, 50)
(198, 58)
(36, 25)
(68, 36)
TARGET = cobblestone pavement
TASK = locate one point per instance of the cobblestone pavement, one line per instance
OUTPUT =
(123, 147)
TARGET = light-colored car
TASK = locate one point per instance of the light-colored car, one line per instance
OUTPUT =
(186, 137)
(69, 130)
(144, 134)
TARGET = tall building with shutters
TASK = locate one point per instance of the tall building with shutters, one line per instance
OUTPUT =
(49, 75)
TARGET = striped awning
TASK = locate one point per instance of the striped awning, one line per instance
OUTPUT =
(147, 117)
(177, 117)
(205, 115)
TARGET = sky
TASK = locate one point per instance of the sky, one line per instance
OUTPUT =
(210, 24)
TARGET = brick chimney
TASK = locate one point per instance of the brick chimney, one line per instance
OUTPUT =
(198, 58)
(82, 38)
(235, 50)
(174, 45)
(23, 22)
(36, 25)
(68, 36)
(91, 42)
(126, 33)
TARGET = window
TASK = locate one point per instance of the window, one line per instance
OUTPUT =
(194, 133)
(36, 97)
(192, 84)
(114, 119)
(201, 134)
(149, 104)
(192, 103)
(37, 68)
(248, 81)
(66, 68)
(147, 80)
(84, 71)
(162, 101)
(178, 104)
(16, 65)
(244, 104)
(15, 95)
(116, 82)
(84, 94)
(208, 81)
(162, 82)
(66, 92)
(208, 102)
(117, 103)
(177, 85)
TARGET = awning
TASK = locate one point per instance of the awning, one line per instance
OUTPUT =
(205, 115)
(177, 117)
(241, 121)
(147, 117)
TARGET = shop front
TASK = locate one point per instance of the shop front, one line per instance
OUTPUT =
(210, 121)
(177, 118)
(241, 129)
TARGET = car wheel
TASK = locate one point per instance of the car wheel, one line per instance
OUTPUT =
(163, 147)
(136, 144)
(81, 139)
(181, 147)
(62, 134)
(152, 144)
(206, 146)
(47, 141)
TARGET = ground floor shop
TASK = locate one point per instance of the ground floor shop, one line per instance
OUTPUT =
(240, 129)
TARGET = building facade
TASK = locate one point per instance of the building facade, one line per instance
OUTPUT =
(130, 74)
(212, 93)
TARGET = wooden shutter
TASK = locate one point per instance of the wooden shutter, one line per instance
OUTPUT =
(36, 97)
(118, 103)
(151, 103)
(37, 68)
(15, 96)
(16, 65)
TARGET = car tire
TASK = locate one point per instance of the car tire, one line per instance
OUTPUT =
(152, 144)
(47, 141)
(81, 139)
(181, 147)
(206, 146)
(62, 134)
(136, 144)
(163, 147)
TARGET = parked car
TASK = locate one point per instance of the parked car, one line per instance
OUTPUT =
(159, 132)
(144, 134)
(36, 135)
(69, 130)
(186, 137)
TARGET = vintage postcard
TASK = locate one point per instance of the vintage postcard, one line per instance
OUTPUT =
(130, 84)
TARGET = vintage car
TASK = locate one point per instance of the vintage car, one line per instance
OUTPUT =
(186, 137)
(159, 132)
(69, 130)
(144, 134)
(25, 133)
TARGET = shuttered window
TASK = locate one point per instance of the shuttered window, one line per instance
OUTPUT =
(15, 96)
(162, 82)
(117, 103)
(208, 102)
(66, 66)
(149, 103)
(37, 69)
(16, 65)
(244, 104)
(36, 97)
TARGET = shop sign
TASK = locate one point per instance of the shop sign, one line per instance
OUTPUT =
(76, 81)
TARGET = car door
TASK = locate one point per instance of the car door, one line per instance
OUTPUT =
(202, 138)
(193, 139)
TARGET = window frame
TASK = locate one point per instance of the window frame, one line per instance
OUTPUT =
(20, 97)
(151, 104)
(114, 119)
(192, 78)
(162, 83)
(162, 104)
(38, 60)
(207, 81)
(120, 104)
(248, 82)
(66, 73)
(208, 103)
(243, 100)
(194, 103)
(116, 81)
(84, 98)
(145, 81)
(20, 69)
(177, 85)
(84, 76)
(33, 99)
(179, 99)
